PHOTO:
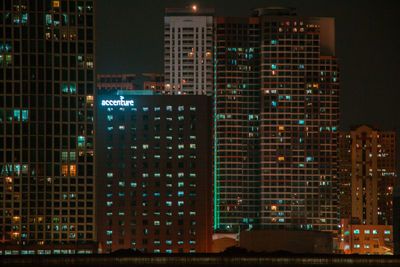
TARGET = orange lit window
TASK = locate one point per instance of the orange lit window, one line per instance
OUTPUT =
(281, 128)
(56, 3)
(72, 170)
(64, 170)
(281, 158)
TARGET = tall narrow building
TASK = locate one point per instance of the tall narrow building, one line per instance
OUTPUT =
(47, 81)
(367, 181)
(367, 175)
(277, 113)
(188, 50)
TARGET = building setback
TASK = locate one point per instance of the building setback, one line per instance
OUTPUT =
(277, 113)
(155, 172)
(188, 50)
(47, 176)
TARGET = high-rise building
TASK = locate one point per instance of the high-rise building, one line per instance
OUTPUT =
(367, 168)
(188, 51)
(47, 82)
(277, 113)
(367, 178)
(155, 172)
(116, 81)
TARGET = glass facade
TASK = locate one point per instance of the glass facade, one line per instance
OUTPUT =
(47, 53)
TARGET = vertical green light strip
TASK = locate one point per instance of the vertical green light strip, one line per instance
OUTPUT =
(216, 162)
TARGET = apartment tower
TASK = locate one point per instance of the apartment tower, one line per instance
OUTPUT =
(276, 117)
(188, 51)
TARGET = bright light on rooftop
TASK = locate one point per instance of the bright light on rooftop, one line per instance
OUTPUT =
(194, 7)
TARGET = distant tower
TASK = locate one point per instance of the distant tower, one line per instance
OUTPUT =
(367, 175)
(188, 52)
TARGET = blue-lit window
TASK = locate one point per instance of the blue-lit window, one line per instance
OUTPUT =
(168, 242)
(81, 141)
(180, 194)
(181, 108)
(301, 122)
(387, 232)
(168, 203)
(273, 103)
(274, 42)
(301, 67)
(180, 203)
(17, 114)
(273, 66)
(357, 231)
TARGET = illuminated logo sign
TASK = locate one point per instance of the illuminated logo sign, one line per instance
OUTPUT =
(118, 103)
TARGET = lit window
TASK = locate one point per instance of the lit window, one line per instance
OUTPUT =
(169, 108)
(180, 203)
(387, 232)
(375, 232)
(72, 170)
(180, 194)
(357, 231)
(168, 203)
(367, 232)
(192, 146)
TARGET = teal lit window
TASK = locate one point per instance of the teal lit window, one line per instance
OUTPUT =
(273, 67)
(25, 115)
(357, 231)
(17, 114)
(81, 141)
(301, 122)
(274, 42)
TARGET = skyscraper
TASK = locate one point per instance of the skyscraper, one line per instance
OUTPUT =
(47, 77)
(277, 112)
(188, 50)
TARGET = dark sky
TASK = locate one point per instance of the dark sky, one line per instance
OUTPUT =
(130, 40)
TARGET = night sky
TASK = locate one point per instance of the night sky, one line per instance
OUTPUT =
(130, 40)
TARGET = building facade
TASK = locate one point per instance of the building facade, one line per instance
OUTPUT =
(155, 174)
(367, 179)
(154, 82)
(277, 113)
(116, 82)
(188, 50)
(367, 175)
(366, 239)
(47, 82)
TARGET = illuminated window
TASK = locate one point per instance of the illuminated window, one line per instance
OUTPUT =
(72, 170)
(192, 146)
(357, 231)
(64, 170)
(81, 141)
(56, 3)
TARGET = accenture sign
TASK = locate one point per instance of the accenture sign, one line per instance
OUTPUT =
(118, 103)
